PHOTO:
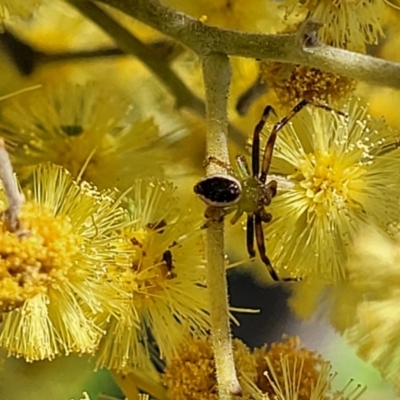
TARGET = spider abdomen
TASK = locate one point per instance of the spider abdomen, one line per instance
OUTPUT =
(219, 190)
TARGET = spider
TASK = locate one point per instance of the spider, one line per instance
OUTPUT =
(251, 193)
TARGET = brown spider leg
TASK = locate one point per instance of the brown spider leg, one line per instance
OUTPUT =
(272, 186)
(215, 214)
(265, 216)
(269, 148)
(261, 247)
(250, 236)
(262, 251)
(255, 148)
(328, 108)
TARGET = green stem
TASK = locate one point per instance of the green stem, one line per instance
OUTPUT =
(205, 39)
(217, 74)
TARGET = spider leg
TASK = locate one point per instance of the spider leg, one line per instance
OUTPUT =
(255, 149)
(273, 187)
(328, 108)
(261, 247)
(262, 251)
(265, 216)
(243, 167)
(215, 214)
(250, 236)
(237, 215)
(269, 148)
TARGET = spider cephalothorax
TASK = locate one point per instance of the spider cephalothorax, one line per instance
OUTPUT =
(251, 193)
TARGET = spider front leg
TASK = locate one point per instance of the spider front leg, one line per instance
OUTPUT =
(261, 247)
(250, 235)
(272, 187)
(265, 216)
(270, 191)
(239, 212)
(262, 250)
(269, 148)
(216, 214)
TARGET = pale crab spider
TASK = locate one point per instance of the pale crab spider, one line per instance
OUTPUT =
(250, 193)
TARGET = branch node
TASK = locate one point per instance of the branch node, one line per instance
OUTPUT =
(307, 34)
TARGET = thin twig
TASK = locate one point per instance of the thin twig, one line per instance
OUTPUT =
(204, 39)
(217, 73)
(27, 58)
(81, 55)
(14, 197)
(130, 44)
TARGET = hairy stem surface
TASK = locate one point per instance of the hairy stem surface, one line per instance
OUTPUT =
(205, 39)
(217, 73)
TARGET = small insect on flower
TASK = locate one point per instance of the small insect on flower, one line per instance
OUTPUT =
(252, 193)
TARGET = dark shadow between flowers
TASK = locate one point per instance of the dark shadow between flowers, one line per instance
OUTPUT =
(274, 318)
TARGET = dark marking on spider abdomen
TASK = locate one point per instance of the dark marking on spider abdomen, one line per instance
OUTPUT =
(219, 190)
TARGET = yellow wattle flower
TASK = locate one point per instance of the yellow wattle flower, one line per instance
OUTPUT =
(191, 373)
(31, 260)
(83, 128)
(346, 24)
(374, 273)
(364, 308)
(344, 172)
(163, 277)
(293, 83)
(284, 371)
(289, 371)
(53, 269)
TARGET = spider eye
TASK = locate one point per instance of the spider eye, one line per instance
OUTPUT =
(219, 190)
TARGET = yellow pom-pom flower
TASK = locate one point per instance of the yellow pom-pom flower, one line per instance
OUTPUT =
(164, 276)
(52, 269)
(273, 363)
(82, 125)
(344, 172)
(293, 83)
(365, 307)
(289, 371)
(191, 373)
(346, 24)
(285, 371)
(374, 272)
